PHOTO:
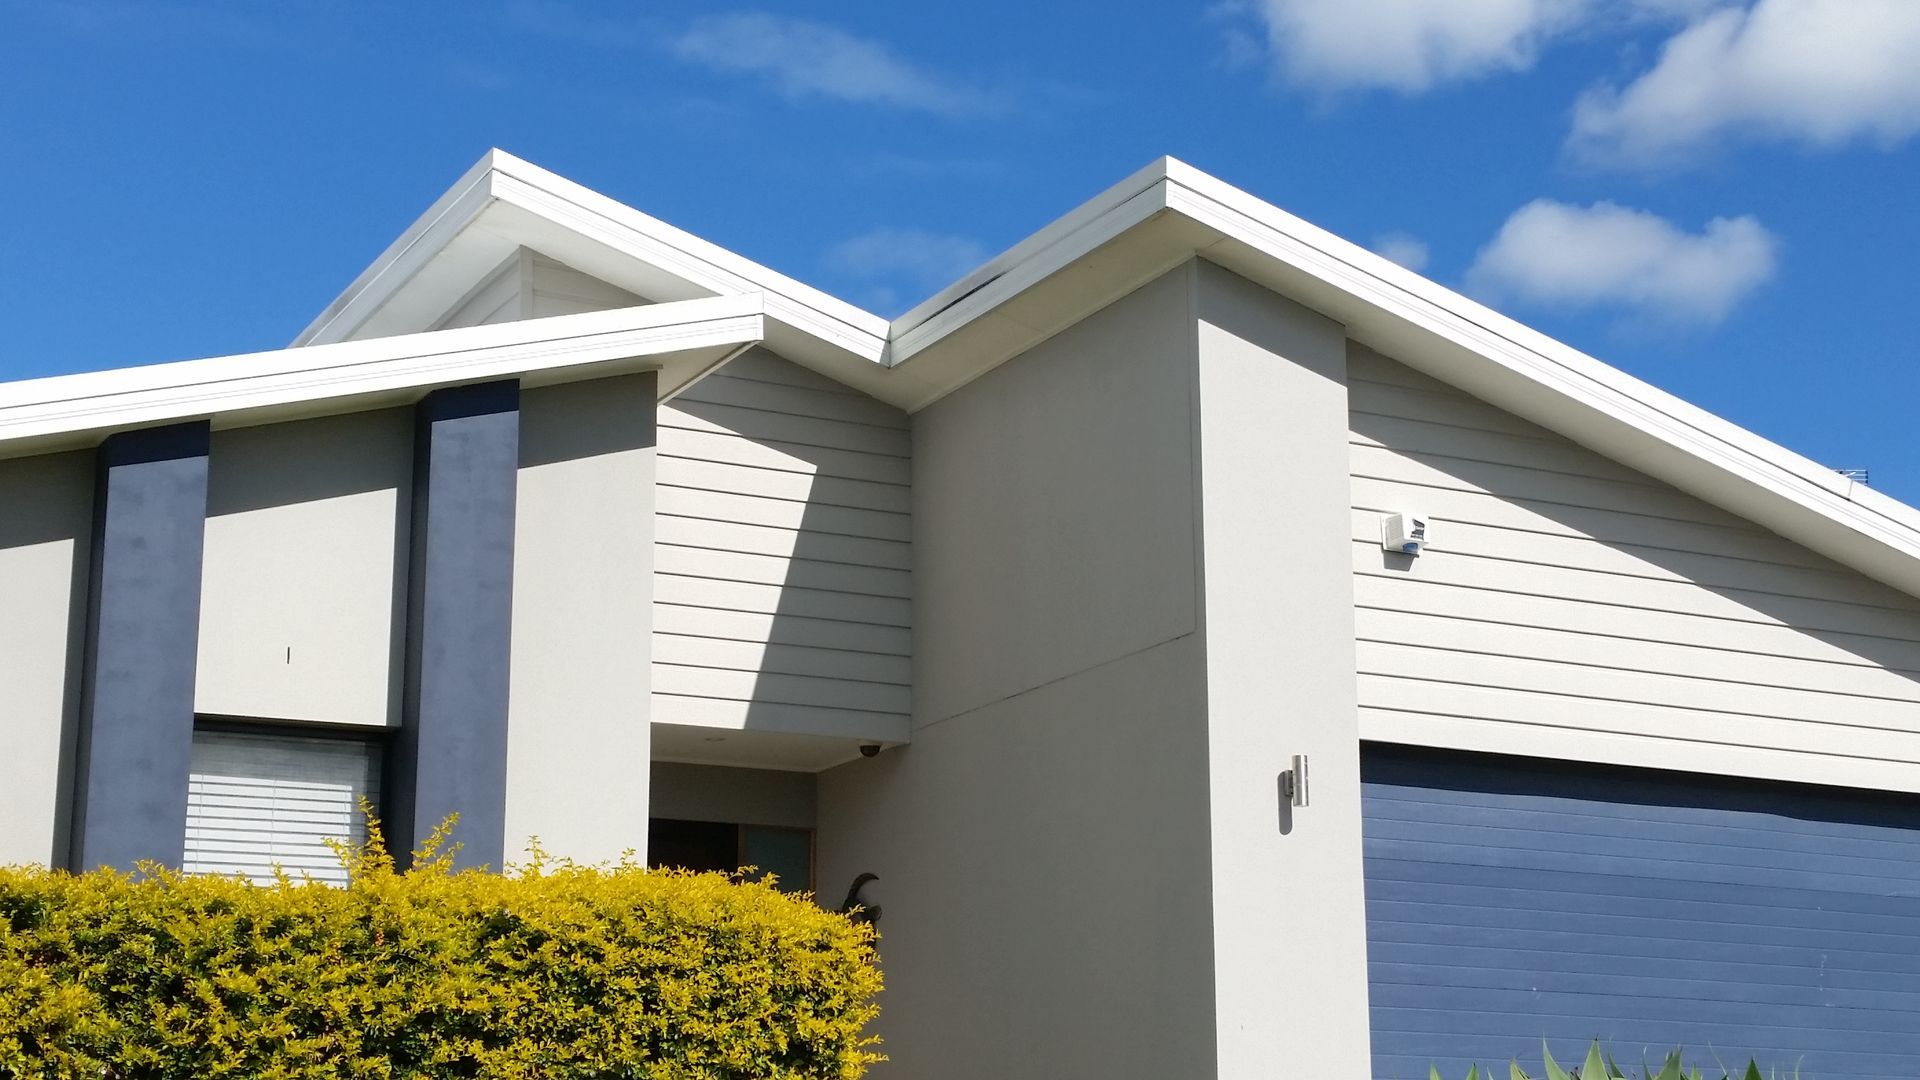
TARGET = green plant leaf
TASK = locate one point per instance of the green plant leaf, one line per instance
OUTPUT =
(1670, 1069)
(1554, 1071)
(1593, 1068)
(1753, 1071)
(1516, 1072)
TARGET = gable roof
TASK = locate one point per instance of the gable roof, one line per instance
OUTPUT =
(1136, 230)
(504, 203)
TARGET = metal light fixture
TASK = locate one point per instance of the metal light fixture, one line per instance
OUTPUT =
(1293, 782)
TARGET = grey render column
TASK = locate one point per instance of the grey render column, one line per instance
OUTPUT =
(581, 735)
(451, 753)
(135, 742)
(1289, 925)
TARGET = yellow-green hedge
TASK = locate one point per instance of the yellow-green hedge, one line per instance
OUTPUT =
(556, 971)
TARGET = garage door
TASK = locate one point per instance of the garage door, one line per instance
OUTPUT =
(1510, 900)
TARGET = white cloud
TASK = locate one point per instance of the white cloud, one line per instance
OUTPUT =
(1409, 45)
(1817, 72)
(926, 260)
(1609, 256)
(808, 59)
(1407, 250)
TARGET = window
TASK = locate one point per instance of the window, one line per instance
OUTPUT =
(724, 846)
(257, 799)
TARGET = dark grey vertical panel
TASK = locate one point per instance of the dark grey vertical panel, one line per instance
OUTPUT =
(451, 755)
(1510, 901)
(143, 628)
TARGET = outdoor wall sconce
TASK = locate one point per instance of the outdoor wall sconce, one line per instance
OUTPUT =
(1293, 782)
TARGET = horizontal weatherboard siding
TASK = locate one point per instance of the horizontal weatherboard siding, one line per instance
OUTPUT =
(698, 443)
(1510, 901)
(1570, 605)
(782, 587)
(763, 629)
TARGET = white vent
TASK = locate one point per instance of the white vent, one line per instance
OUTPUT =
(254, 801)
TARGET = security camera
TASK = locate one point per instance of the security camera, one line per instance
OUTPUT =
(871, 749)
(1405, 532)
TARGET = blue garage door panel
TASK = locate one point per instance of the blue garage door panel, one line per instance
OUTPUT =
(1511, 900)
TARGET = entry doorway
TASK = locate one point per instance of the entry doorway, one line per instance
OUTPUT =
(786, 853)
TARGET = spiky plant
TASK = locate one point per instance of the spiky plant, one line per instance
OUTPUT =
(1601, 1066)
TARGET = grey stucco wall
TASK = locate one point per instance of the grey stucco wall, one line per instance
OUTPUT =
(135, 737)
(302, 607)
(449, 757)
(44, 543)
(1133, 606)
(1288, 916)
(1042, 843)
(720, 793)
(578, 706)
(302, 611)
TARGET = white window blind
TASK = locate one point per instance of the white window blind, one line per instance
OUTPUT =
(256, 800)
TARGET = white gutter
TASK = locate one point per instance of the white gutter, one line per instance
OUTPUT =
(536, 350)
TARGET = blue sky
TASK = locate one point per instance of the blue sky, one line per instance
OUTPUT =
(1717, 195)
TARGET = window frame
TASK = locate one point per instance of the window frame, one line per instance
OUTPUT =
(377, 739)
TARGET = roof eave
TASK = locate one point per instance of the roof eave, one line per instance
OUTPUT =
(680, 340)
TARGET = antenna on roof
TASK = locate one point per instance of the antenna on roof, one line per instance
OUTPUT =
(1858, 476)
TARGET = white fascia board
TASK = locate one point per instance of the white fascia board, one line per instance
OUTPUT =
(38, 415)
(1081, 230)
(998, 283)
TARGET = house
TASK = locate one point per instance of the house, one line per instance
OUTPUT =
(1073, 604)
